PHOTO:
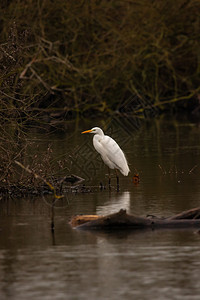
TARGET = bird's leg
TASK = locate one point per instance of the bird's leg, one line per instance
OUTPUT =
(109, 179)
(117, 180)
(101, 186)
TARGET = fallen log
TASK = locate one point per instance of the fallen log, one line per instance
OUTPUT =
(122, 220)
(79, 220)
(190, 214)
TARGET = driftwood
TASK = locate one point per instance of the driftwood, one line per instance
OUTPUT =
(73, 179)
(189, 218)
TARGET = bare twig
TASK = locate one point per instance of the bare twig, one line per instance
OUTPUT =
(190, 171)
(41, 178)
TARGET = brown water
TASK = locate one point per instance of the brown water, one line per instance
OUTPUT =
(73, 264)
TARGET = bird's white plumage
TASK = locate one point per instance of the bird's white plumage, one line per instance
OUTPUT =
(111, 153)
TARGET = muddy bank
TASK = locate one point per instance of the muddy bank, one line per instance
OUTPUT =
(57, 186)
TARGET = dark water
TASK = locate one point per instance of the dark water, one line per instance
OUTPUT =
(73, 264)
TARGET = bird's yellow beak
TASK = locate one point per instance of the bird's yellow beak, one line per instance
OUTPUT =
(87, 131)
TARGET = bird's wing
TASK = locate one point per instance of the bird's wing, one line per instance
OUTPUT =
(113, 152)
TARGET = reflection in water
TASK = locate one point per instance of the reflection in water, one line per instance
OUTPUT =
(115, 203)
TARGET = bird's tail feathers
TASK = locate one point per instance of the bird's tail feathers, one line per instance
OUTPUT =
(125, 171)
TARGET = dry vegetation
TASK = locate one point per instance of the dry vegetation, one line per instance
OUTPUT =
(94, 55)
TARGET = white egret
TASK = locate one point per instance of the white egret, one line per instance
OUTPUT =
(110, 152)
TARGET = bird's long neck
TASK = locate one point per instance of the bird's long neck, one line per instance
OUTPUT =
(99, 135)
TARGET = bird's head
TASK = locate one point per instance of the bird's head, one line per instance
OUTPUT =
(94, 130)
